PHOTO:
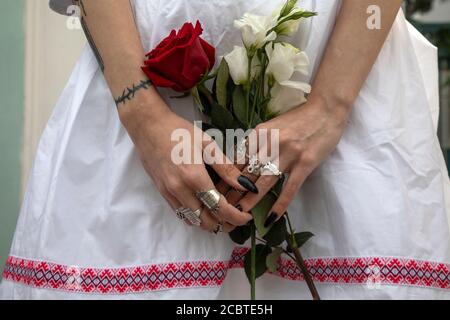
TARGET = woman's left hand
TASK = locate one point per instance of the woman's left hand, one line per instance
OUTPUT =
(307, 135)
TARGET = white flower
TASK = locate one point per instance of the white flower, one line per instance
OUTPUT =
(254, 30)
(288, 96)
(291, 26)
(284, 60)
(238, 64)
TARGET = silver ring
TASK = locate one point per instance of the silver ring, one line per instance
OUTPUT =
(273, 170)
(242, 150)
(254, 166)
(180, 212)
(193, 216)
(210, 199)
(219, 228)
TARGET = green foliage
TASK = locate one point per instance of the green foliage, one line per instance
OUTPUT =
(260, 212)
(241, 234)
(277, 234)
(239, 105)
(262, 251)
(273, 259)
(223, 76)
(300, 239)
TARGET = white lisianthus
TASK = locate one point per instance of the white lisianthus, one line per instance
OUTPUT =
(255, 30)
(290, 27)
(288, 96)
(237, 61)
(284, 60)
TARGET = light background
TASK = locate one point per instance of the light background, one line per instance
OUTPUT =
(37, 54)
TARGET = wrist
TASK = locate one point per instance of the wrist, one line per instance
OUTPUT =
(146, 106)
(339, 107)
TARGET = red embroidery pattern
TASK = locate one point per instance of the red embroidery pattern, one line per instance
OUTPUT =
(370, 271)
(115, 281)
(367, 270)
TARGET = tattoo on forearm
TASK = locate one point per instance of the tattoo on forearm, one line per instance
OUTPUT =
(129, 93)
(89, 37)
(82, 7)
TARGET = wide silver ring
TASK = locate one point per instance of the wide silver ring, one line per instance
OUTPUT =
(254, 166)
(271, 169)
(194, 217)
(210, 199)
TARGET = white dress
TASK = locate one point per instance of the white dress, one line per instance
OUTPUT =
(93, 225)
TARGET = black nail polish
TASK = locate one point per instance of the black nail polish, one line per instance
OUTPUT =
(238, 206)
(270, 219)
(247, 184)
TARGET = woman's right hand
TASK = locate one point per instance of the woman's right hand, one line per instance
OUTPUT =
(150, 123)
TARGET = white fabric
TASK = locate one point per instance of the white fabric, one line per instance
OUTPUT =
(383, 192)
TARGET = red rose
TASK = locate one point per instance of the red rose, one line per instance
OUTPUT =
(180, 60)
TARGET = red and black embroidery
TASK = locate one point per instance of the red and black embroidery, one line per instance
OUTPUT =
(366, 270)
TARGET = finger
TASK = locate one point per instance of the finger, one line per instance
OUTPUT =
(226, 211)
(225, 168)
(288, 194)
(174, 204)
(232, 215)
(188, 200)
(234, 196)
(265, 184)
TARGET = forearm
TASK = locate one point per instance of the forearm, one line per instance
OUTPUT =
(112, 33)
(351, 52)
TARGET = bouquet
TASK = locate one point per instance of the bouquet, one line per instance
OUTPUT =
(252, 84)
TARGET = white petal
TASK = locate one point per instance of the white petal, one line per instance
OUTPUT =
(302, 63)
(285, 98)
(298, 85)
(238, 64)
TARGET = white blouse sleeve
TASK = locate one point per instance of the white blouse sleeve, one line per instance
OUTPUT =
(60, 6)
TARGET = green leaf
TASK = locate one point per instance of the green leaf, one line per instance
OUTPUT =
(239, 105)
(223, 75)
(290, 4)
(262, 251)
(277, 234)
(221, 117)
(197, 99)
(272, 260)
(241, 234)
(260, 212)
(301, 238)
(279, 186)
(297, 16)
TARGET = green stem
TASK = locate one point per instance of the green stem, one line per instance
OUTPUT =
(247, 88)
(253, 264)
(300, 262)
(201, 88)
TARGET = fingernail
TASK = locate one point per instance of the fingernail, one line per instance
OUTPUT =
(238, 206)
(247, 184)
(270, 219)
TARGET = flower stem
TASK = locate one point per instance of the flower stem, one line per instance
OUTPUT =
(247, 88)
(253, 264)
(300, 262)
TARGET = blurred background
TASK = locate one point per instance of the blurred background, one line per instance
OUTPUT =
(38, 50)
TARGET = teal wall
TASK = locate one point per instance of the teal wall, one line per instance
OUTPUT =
(11, 117)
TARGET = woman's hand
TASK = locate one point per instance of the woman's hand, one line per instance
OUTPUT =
(151, 125)
(307, 135)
